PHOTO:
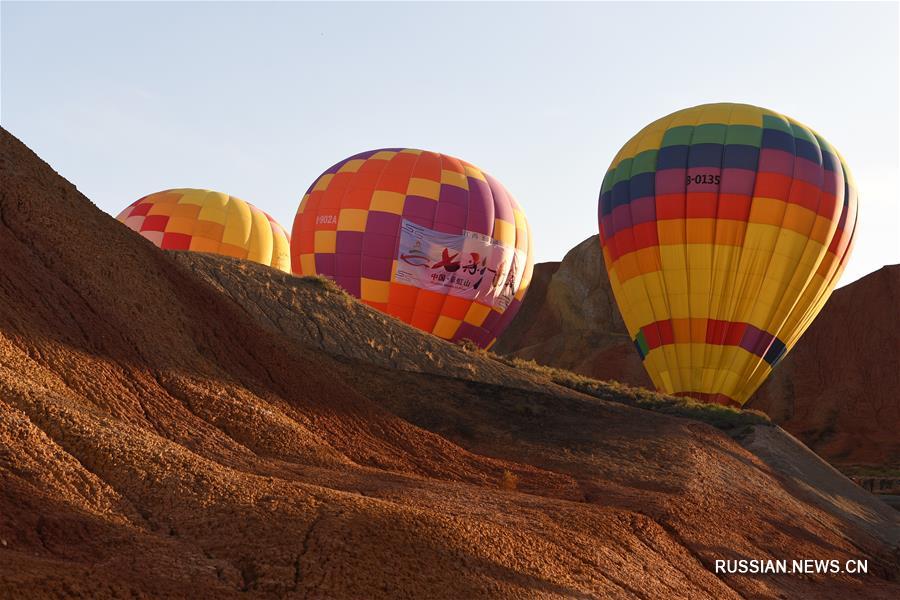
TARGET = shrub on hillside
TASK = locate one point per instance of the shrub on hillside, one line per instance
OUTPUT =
(717, 415)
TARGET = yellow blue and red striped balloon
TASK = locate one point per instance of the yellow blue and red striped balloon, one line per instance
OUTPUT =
(724, 229)
(206, 221)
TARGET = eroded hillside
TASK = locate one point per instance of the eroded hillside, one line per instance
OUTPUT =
(187, 426)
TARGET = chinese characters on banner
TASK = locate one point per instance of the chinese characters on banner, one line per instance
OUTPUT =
(470, 265)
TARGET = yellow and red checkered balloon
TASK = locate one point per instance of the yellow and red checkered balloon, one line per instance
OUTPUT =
(428, 238)
(206, 221)
(724, 229)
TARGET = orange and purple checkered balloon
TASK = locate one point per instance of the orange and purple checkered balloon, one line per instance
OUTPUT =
(423, 236)
(205, 221)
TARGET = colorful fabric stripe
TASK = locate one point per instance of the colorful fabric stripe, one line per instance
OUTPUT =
(728, 223)
(712, 331)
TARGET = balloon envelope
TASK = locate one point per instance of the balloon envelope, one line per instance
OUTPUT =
(206, 221)
(428, 238)
(724, 229)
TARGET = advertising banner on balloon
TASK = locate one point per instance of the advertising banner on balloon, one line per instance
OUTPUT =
(469, 265)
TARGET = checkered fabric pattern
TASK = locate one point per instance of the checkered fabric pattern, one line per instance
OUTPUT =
(348, 228)
(205, 221)
(724, 229)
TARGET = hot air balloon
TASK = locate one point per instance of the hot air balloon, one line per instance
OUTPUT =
(425, 237)
(205, 221)
(724, 229)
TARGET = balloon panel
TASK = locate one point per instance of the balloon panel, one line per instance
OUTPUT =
(350, 227)
(724, 229)
(206, 221)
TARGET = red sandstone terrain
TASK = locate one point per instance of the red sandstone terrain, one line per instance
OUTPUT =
(177, 425)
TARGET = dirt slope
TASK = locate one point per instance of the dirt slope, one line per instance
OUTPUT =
(187, 426)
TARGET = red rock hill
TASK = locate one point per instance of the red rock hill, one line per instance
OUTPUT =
(838, 391)
(575, 324)
(176, 425)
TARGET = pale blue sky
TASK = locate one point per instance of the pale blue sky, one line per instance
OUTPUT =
(255, 100)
